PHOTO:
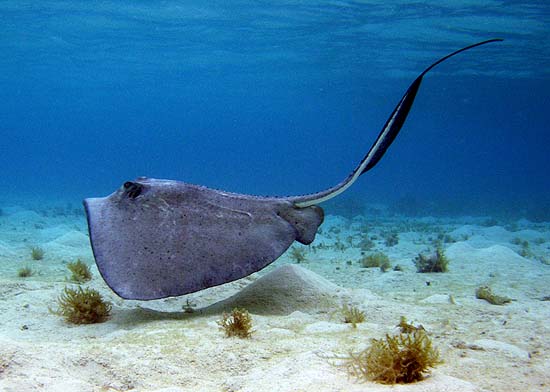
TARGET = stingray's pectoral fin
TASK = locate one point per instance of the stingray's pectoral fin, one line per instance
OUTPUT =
(305, 221)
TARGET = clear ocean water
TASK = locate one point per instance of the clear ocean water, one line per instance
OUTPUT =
(277, 98)
(450, 232)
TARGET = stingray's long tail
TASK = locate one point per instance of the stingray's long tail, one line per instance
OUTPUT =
(385, 138)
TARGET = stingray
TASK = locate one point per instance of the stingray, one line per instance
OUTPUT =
(155, 238)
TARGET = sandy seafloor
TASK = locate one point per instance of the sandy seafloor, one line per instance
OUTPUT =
(299, 334)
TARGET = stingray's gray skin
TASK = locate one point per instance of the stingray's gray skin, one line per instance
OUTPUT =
(160, 238)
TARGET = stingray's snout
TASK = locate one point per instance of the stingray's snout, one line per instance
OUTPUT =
(91, 203)
(94, 207)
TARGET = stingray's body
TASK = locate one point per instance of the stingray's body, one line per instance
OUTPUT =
(176, 238)
(160, 238)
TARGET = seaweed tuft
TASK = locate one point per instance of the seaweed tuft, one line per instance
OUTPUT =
(25, 272)
(37, 253)
(378, 259)
(80, 271)
(297, 254)
(436, 262)
(400, 359)
(237, 323)
(407, 327)
(352, 315)
(485, 292)
(82, 306)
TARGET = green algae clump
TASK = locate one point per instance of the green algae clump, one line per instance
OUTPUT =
(80, 271)
(352, 315)
(400, 359)
(237, 323)
(377, 259)
(82, 306)
(25, 272)
(297, 254)
(436, 262)
(407, 327)
(37, 253)
(485, 292)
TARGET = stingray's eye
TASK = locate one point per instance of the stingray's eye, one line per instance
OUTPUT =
(133, 189)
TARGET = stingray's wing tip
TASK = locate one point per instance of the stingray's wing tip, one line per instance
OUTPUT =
(93, 207)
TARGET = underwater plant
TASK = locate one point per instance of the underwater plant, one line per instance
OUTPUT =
(80, 271)
(339, 245)
(485, 292)
(518, 241)
(407, 327)
(5, 362)
(352, 315)
(400, 359)
(436, 262)
(366, 244)
(385, 266)
(525, 251)
(37, 253)
(25, 272)
(82, 306)
(377, 259)
(335, 230)
(319, 246)
(444, 238)
(297, 254)
(539, 241)
(189, 306)
(489, 222)
(391, 239)
(237, 323)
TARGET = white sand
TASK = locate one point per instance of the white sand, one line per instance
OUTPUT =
(299, 334)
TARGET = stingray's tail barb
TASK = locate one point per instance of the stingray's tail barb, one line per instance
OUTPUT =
(385, 138)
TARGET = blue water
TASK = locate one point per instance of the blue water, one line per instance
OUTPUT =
(276, 98)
